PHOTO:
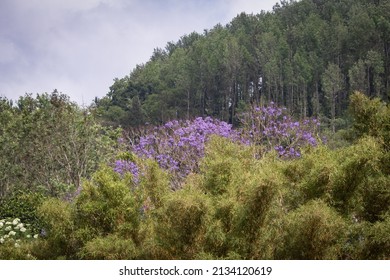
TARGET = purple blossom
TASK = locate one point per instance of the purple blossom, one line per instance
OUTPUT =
(122, 166)
(178, 146)
(274, 127)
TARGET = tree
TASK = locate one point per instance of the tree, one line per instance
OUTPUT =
(332, 82)
(50, 143)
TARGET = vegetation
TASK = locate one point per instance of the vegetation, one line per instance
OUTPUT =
(237, 204)
(49, 144)
(307, 56)
(236, 165)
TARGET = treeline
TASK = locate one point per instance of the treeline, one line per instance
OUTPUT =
(307, 55)
(48, 144)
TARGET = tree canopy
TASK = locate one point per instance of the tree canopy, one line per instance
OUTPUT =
(289, 56)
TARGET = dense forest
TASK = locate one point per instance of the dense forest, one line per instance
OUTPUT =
(307, 56)
(267, 138)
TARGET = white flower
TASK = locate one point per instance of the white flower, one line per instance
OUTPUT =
(8, 228)
(8, 223)
(16, 221)
(2, 240)
(1, 224)
(23, 229)
(36, 236)
(17, 245)
(19, 226)
(11, 233)
(28, 236)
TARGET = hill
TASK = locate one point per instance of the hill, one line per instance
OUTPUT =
(308, 56)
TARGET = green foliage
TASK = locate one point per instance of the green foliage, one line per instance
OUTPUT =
(180, 225)
(24, 205)
(48, 143)
(313, 231)
(109, 247)
(375, 194)
(327, 204)
(106, 204)
(154, 183)
(106, 207)
(371, 117)
(378, 240)
(356, 164)
(305, 55)
(56, 216)
(8, 251)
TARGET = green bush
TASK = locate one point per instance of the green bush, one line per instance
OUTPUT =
(106, 203)
(377, 240)
(56, 216)
(110, 247)
(180, 224)
(314, 231)
(23, 205)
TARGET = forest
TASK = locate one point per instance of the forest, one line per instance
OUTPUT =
(307, 56)
(267, 138)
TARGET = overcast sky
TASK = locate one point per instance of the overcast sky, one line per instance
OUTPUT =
(80, 46)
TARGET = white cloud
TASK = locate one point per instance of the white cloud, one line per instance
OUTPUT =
(8, 51)
(249, 6)
(79, 47)
(68, 5)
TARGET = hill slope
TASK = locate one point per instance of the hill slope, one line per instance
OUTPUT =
(307, 55)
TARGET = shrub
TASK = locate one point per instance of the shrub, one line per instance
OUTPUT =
(180, 224)
(110, 247)
(314, 231)
(15, 238)
(56, 215)
(377, 240)
(23, 205)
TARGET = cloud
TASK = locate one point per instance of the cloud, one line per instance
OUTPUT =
(8, 51)
(79, 47)
(249, 6)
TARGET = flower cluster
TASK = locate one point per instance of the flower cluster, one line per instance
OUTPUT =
(122, 166)
(274, 128)
(13, 230)
(178, 146)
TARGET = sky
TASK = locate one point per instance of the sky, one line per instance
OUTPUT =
(79, 46)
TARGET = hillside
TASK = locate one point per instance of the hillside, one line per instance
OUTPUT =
(308, 56)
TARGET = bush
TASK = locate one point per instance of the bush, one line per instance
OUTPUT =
(16, 238)
(314, 231)
(377, 240)
(56, 215)
(23, 205)
(110, 247)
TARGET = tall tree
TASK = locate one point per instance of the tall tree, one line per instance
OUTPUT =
(332, 82)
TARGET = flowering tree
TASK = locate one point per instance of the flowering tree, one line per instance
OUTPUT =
(178, 146)
(273, 128)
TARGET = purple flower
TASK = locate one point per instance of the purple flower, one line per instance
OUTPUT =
(273, 127)
(122, 166)
(178, 146)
